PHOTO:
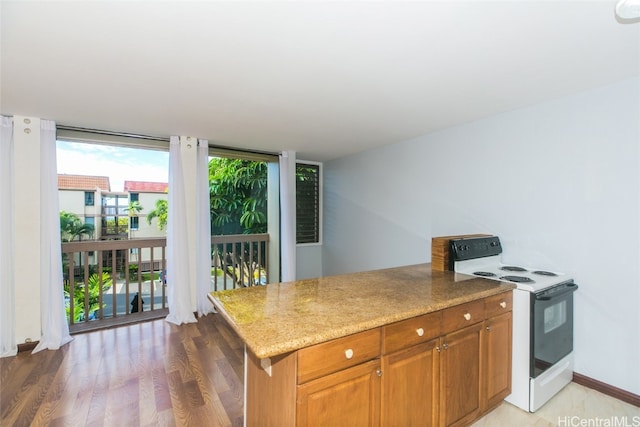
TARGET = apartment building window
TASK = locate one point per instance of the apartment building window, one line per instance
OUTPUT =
(89, 198)
(308, 209)
(134, 197)
(90, 220)
(134, 222)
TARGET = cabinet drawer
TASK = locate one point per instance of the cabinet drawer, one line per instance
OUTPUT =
(498, 304)
(407, 333)
(332, 356)
(462, 315)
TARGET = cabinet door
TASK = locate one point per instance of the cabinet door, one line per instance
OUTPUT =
(346, 398)
(460, 376)
(410, 386)
(497, 348)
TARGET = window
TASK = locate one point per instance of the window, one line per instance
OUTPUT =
(134, 222)
(88, 198)
(308, 178)
(90, 220)
(134, 197)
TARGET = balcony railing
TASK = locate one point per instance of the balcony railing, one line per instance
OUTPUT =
(121, 281)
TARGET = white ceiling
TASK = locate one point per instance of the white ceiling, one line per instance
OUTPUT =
(326, 79)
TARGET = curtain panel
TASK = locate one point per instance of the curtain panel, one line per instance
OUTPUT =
(178, 269)
(288, 215)
(55, 329)
(8, 346)
(203, 230)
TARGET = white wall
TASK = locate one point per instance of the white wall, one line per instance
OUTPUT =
(558, 182)
(308, 261)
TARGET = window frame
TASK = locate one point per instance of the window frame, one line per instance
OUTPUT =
(320, 201)
(92, 195)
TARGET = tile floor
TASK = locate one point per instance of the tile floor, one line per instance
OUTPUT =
(574, 406)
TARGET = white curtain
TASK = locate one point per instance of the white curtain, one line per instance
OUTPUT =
(288, 215)
(55, 329)
(8, 345)
(178, 270)
(203, 231)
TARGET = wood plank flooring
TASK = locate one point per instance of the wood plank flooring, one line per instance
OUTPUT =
(148, 374)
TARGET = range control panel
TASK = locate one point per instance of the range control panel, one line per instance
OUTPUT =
(475, 247)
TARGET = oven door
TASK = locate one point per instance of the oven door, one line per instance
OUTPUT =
(551, 326)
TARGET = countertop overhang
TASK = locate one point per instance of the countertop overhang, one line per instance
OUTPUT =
(282, 317)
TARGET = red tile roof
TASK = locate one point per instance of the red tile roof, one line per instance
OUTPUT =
(146, 187)
(83, 182)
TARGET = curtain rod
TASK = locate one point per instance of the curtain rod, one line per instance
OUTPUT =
(111, 133)
(156, 138)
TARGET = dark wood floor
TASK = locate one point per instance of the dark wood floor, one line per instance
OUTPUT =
(147, 374)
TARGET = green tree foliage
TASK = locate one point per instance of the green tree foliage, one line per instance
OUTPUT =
(71, 226)
(79, 296)
(159, 211)
(134, 208)
(238, 196)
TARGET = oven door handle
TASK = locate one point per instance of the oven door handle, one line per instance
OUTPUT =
(572, 287)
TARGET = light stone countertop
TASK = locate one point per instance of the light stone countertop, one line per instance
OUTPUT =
(282, 317)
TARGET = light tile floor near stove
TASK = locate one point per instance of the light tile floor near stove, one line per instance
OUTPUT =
(574, 406)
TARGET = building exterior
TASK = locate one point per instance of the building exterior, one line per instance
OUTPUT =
(91, 199)
(82, 195)
(146, 194)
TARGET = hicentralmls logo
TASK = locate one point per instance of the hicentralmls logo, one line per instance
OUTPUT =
(615, 421)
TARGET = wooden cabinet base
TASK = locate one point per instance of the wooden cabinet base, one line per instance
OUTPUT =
(454, 367)
(270, 400)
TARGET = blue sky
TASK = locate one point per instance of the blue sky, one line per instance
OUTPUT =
(118, 163)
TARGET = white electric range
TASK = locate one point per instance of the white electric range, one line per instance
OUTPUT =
(542, 356)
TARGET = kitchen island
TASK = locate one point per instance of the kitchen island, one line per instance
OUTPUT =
(384, 347)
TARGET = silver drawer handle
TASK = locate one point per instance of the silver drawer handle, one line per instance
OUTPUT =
(420, 332)
(467, 316)
(348, 353)
(503, 304)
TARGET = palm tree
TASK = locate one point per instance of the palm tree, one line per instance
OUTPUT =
(134, 209)
(160, 211)
(71, 226)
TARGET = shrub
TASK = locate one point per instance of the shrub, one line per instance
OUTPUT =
(93, 289)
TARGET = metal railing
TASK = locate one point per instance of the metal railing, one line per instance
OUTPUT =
(114, 279)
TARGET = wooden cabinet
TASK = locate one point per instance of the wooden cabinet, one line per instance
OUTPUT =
(497, 342)
(410, 371)
(350, 397)
(332, 356)
(339, 382)
(460, 368)
(410, 386)
(444, 368)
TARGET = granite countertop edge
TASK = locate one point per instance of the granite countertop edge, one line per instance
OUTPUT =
(265, 347)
